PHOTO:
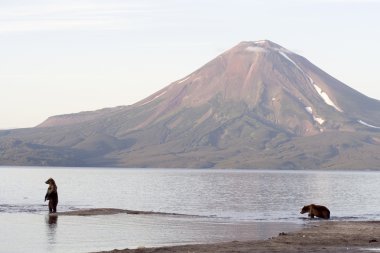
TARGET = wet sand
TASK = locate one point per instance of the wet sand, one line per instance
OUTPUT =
(320, 236)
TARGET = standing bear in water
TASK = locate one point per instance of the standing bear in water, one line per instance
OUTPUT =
(52, 195)
(316, 210)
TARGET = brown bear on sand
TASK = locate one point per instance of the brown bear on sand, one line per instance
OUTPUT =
(316, 210)
(52, 195)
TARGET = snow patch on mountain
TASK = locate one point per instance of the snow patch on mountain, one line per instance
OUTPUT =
(326, 97)
(309, 109)
(288, 58)
(256, 49)
(260, 42)
(319, 120)
(316, 119)
(368, 125)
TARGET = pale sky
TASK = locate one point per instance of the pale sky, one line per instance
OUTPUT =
(67, 56)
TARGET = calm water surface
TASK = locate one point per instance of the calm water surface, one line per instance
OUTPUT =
(230, 204)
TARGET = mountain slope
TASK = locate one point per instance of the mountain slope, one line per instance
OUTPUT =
(258, 105)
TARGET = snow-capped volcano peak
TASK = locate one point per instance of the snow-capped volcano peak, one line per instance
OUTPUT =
(262, 45)
(280, 86)
(267, 44)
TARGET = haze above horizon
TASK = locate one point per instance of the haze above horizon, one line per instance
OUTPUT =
(89, 54)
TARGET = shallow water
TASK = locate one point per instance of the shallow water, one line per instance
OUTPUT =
(232, 205)
(41, 233)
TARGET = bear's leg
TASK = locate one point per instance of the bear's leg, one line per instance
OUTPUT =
(55, 207)
(50, 207)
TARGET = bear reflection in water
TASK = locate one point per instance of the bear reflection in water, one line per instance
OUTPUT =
(51, 219)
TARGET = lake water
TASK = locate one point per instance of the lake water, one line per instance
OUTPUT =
(224, 205)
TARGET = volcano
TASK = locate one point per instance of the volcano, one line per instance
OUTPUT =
(258, 105)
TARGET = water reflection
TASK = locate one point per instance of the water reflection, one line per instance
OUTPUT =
(51, 221)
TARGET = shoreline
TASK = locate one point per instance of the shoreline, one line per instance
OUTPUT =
(318, 236)
(111, 211)
(108, 211)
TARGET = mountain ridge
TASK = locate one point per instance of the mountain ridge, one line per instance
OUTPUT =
(257, 105)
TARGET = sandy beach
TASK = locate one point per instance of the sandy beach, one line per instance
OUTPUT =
(320, 236)
(317, 236)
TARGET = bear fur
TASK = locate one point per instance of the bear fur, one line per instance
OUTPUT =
(316, 210)
(52, 195)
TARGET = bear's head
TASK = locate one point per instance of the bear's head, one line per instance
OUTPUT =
(305, 209)
(50, 181)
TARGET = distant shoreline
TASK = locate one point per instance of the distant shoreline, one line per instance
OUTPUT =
(348, 170)
(324, 236)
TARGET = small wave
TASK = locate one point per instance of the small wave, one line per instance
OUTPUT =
(25, 208)
(111, 211)
(370, 249)
(8, 208)
(346, 218)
